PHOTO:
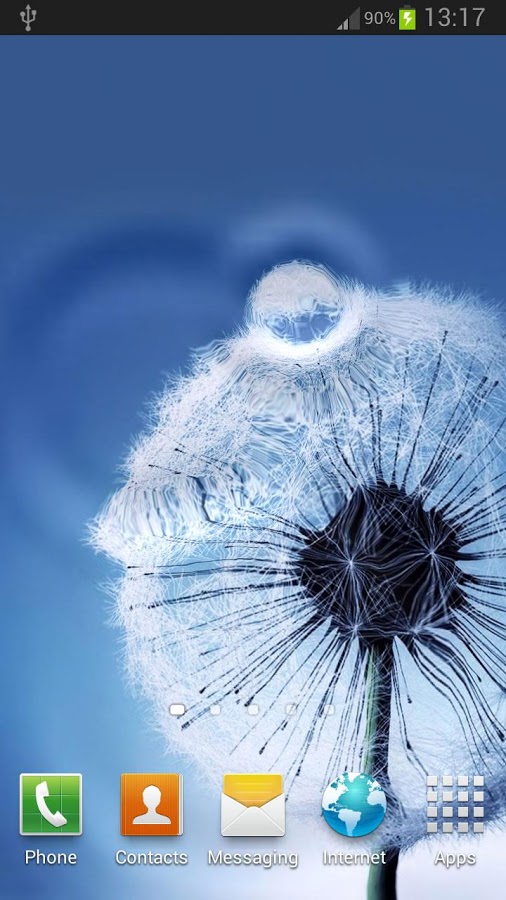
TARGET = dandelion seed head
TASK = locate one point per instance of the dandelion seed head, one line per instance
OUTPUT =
(327, 487)
(380, 534)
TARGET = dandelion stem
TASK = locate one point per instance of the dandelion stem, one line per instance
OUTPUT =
(381, 884)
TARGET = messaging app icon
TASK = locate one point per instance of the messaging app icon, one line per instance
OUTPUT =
(152, 803)
(253, 806)
(50, 804)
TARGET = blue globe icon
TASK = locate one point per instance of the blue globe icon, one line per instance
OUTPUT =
(354, 804)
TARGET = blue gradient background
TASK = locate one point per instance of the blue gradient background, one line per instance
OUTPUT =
(144, 183)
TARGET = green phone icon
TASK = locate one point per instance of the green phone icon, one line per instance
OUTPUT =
(50, 804)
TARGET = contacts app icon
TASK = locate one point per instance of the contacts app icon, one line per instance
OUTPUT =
(152, 804)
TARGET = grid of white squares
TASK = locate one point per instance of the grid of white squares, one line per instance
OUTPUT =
(461, 797)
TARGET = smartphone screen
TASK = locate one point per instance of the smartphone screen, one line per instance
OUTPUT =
(253, 455)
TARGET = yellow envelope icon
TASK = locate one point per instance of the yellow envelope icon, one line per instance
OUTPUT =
(253, 806)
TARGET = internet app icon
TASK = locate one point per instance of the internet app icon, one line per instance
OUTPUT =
(50, 804)
(152, 804)
(354, 804)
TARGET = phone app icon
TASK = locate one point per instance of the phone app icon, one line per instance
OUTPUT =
(152, 803)
(50, 804)
(253, 806)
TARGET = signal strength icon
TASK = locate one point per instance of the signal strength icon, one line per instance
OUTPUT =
(352, 23)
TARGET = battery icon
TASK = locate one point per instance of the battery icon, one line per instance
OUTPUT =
(407, 19)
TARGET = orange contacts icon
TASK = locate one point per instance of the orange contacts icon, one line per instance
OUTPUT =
(152, 804)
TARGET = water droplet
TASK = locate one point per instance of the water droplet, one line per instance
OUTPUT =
(297, 302)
